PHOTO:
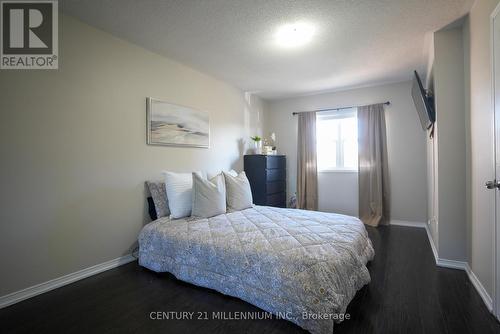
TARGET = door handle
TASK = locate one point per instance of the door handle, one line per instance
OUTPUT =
(492, 184)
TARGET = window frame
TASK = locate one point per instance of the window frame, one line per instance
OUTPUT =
(337, 114)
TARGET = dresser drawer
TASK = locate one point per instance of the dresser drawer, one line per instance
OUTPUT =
(275, 162)
(278, 200)
(267, 177)
(275, 187)
(275, 174)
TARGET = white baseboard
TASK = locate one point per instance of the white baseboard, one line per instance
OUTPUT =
(452, 264)
(480, 288)
(433, 246)
(55, 283)
(407, 223)
(462, 265)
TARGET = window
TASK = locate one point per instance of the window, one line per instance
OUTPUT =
(337, 140)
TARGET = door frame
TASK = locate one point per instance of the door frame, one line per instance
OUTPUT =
(496, 142)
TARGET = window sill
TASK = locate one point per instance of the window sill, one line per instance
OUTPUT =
(338, 171)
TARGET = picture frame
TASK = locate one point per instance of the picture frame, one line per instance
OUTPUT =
(170, 124)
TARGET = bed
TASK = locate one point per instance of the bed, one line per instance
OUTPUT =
(296, 264)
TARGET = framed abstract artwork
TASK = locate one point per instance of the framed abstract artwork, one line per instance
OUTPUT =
(175, 125)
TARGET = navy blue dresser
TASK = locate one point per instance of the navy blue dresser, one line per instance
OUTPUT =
(267, 176)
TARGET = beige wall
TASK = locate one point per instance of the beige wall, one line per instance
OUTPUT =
(405, 141)
(482, 159)
(73, 152)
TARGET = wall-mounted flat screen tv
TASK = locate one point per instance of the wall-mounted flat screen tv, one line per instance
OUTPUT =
(423, 103)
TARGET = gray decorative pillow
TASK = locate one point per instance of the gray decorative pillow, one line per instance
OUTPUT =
(209, 196)
(159, 195)
(238, 191)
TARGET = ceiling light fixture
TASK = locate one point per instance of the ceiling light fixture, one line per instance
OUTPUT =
(294, 35)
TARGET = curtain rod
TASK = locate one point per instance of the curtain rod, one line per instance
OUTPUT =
(329, 109)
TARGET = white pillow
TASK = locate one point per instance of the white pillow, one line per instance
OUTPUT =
(179, 187)
(238, 191)
(231, 172)
(209, 196)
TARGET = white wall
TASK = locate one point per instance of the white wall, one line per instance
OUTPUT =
(449, 88)
(338, 192)
(74, 154)
(468, 169)
(477, 146)
(406, 147)
(433, 187)
(432, 164)
(482, 159)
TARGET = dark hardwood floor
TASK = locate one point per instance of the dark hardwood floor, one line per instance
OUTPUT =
(407, 294)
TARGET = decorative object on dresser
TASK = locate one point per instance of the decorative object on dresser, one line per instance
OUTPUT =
(257, 141)
(270, 145)
(267, 176)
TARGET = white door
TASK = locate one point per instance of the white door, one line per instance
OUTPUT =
(495, 43)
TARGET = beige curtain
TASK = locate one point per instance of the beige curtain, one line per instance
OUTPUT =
(373, 168)
(307, 171)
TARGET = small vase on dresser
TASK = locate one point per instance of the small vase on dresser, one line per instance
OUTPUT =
(258, 147)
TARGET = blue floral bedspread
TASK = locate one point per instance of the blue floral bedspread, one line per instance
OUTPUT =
(298, 263)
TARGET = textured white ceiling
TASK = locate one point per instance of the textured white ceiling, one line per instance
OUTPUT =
(357, 42)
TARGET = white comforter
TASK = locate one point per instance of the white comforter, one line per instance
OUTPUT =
(286, 261)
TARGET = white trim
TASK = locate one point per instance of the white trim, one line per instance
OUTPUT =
(407, 223)
(461, 265)
(55, 283)
(452, 264)
(433, 246)
(496, 229)
(339, 113)
(338, 170)
(480, 288)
